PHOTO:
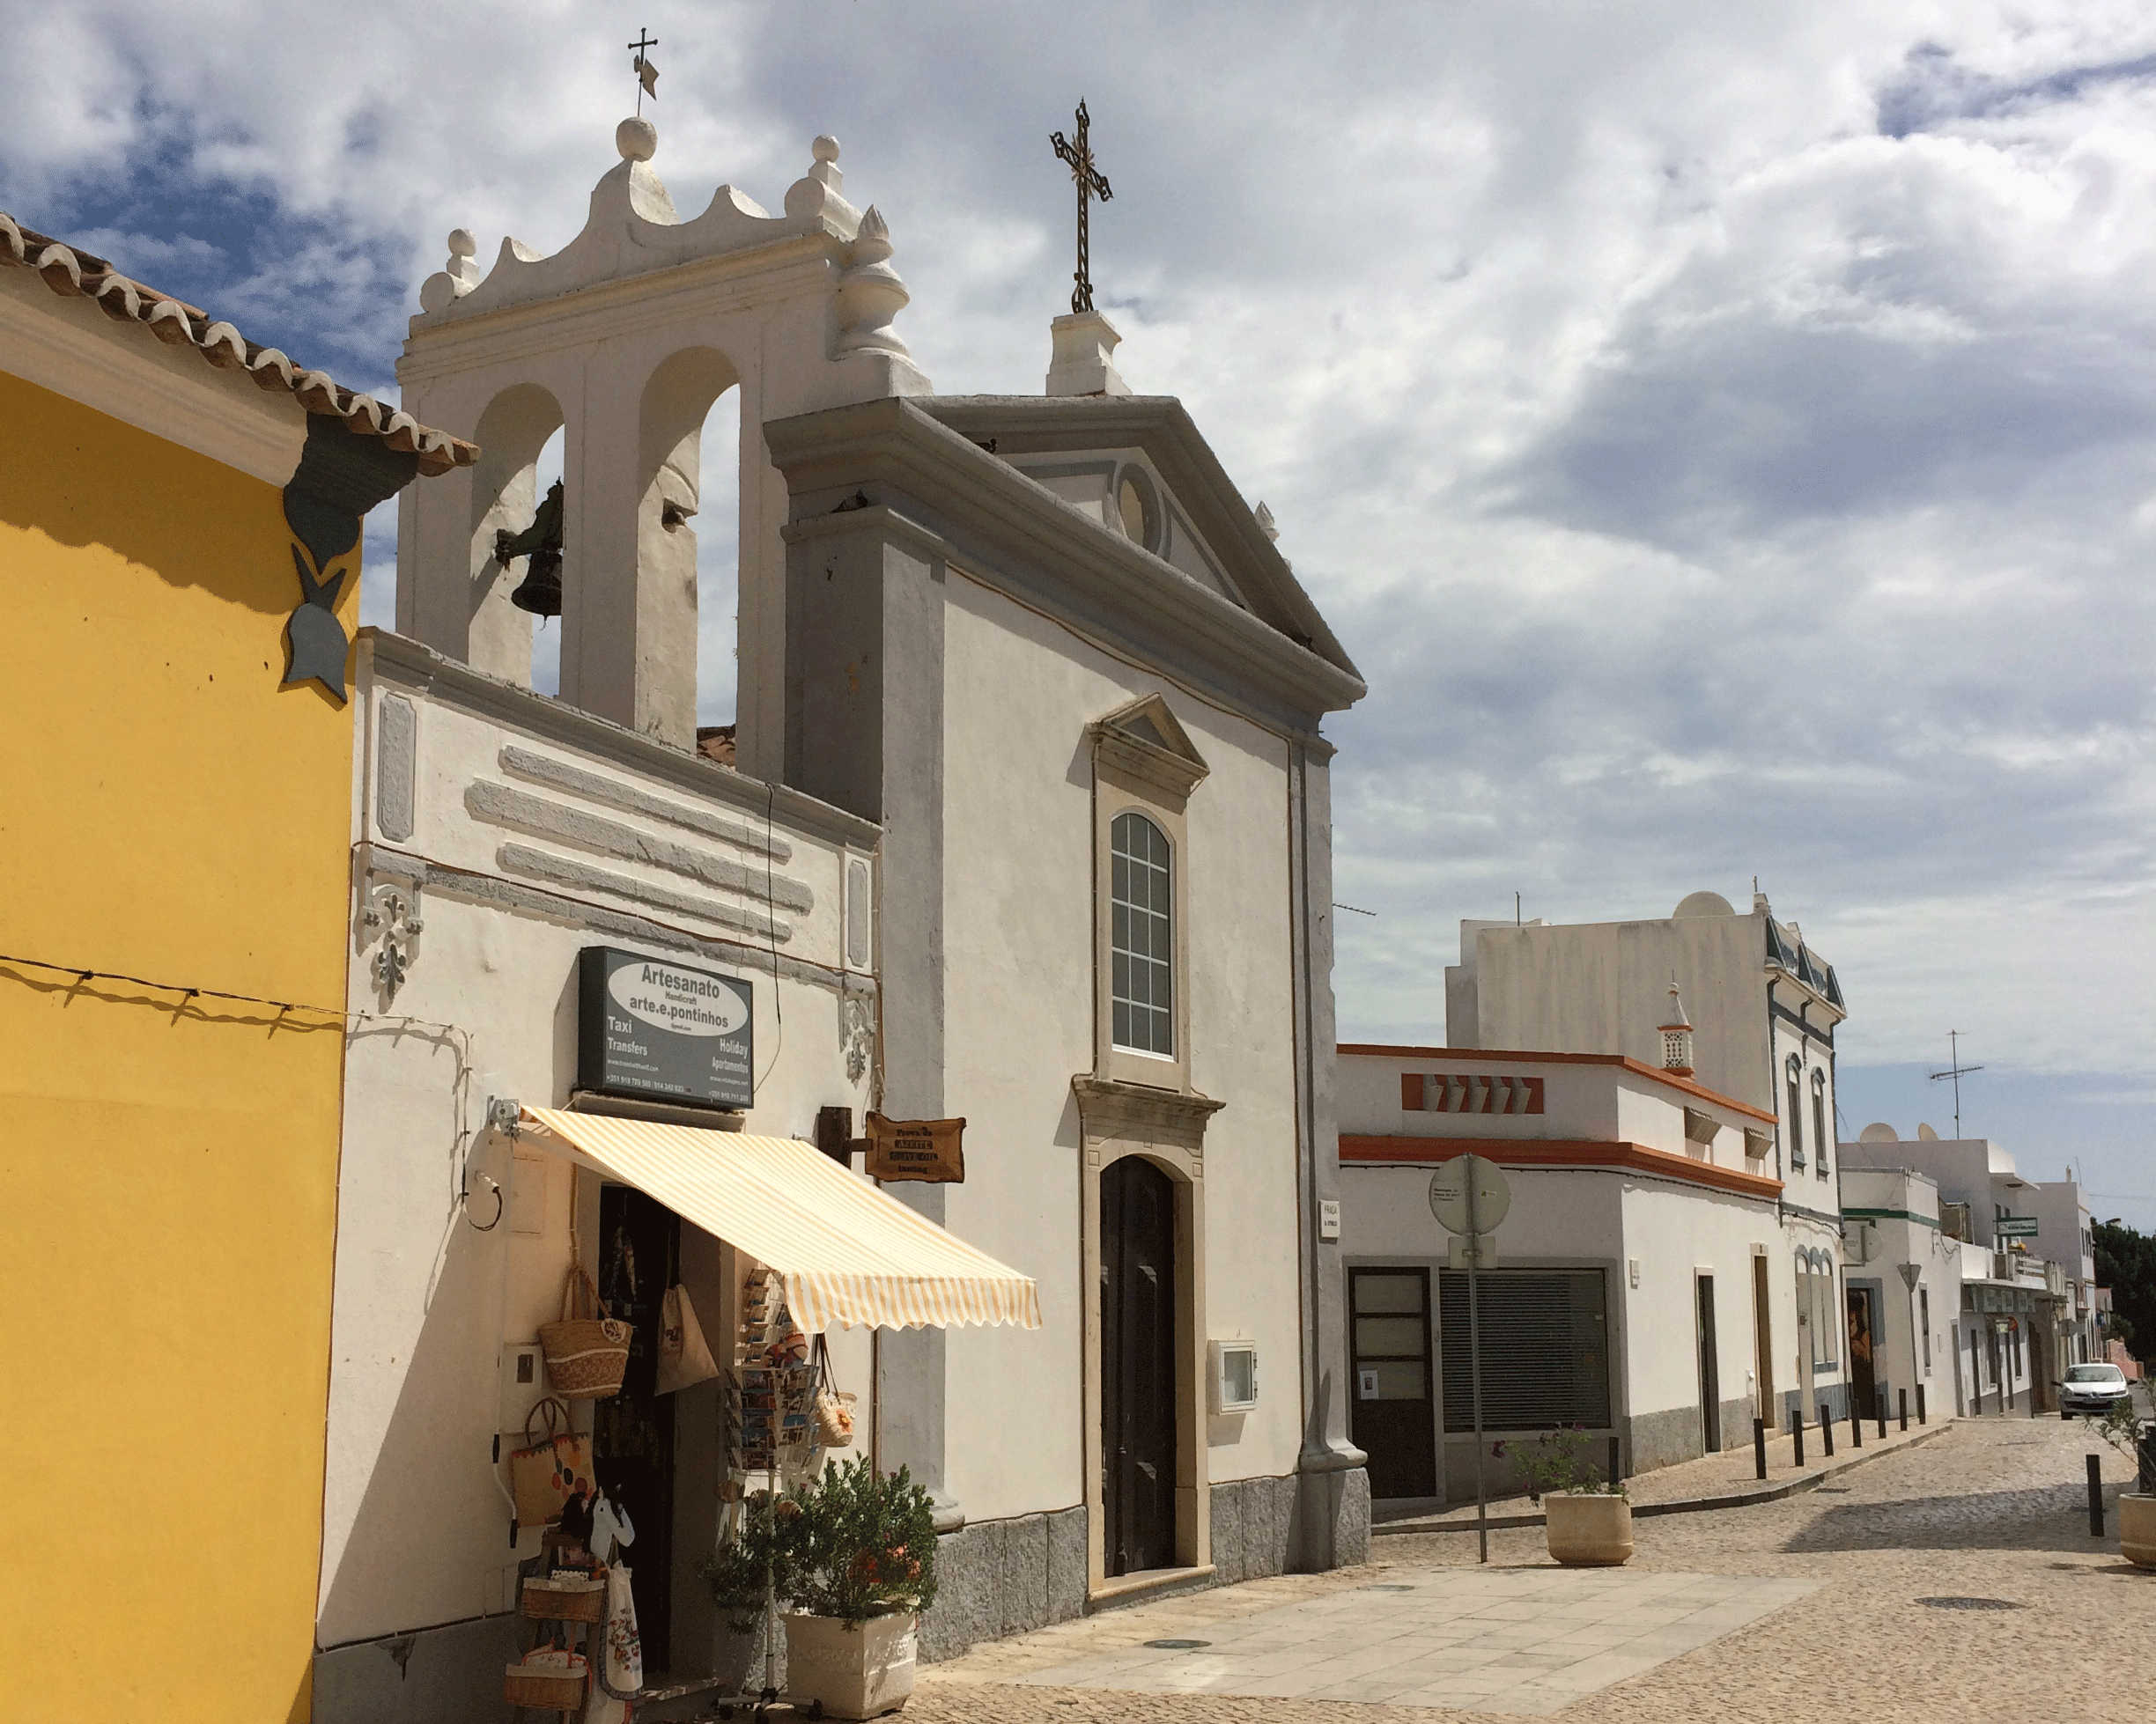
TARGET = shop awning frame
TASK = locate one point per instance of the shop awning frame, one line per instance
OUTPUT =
(849, 1253)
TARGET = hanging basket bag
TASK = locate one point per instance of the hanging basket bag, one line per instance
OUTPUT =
(586, 1351)
(547, 1678)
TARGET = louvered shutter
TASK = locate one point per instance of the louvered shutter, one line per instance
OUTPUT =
(1545, 1349)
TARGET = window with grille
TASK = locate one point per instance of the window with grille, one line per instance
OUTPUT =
(1545, 1346)
(1141, 940)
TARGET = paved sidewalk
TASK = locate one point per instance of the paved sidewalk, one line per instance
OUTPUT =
(1953, 1580)
(1713, 1481)
(1525, 1641)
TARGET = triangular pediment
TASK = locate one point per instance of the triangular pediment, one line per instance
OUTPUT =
(1144, 740)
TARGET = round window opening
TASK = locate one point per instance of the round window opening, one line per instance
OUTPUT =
(1136, 512)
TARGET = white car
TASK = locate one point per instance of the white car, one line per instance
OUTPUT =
(2093, 1389)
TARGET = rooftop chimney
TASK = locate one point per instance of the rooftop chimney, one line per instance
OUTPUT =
(1677, 1038)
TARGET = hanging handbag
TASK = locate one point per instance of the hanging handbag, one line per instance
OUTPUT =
(586, 1351)
(550, 1468)
(683, 1358)
(834, 1408)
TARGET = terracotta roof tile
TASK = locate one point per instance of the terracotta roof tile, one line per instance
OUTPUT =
(66, 270)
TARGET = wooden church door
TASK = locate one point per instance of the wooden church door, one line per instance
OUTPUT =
(1138, 1366)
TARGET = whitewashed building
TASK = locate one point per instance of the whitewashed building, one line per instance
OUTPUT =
(1636, 1286)
(2026, 1303)
(1031, 828)
(1764, 1007)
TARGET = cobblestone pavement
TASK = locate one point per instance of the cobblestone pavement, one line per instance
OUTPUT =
(1994, 1508)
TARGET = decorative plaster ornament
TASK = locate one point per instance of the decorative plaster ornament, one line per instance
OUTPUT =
(853, 1038)
(394, 908)
(315, 645)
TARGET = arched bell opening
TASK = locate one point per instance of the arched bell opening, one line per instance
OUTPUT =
(520, 437)
(688, 545)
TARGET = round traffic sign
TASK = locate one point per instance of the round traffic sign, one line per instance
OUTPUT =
(1450, 1189)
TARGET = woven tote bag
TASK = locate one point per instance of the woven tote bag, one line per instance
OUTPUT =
(586, 1351)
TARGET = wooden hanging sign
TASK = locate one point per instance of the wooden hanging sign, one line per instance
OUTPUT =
(926, 1149)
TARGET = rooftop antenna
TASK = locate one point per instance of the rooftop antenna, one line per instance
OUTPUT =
(1956, 1070)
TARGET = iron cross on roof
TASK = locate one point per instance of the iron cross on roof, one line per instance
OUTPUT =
(646, 74)
(1091, 183)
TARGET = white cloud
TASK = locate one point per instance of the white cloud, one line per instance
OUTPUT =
(1723, 434)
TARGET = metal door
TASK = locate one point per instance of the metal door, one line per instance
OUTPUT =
(1395, 1407)
(1138, 1366)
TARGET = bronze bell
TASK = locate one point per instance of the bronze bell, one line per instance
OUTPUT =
(540, 592)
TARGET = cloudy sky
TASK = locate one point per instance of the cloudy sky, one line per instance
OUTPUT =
(1725, 436)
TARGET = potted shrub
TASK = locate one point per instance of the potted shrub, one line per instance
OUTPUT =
(2134, 1435)
(1587, 1518)
(853, 1555)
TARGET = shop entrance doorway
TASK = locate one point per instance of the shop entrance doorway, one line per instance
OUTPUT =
(1864, 1372)
(1762, 1345)
(1138, 1366)
(1710, 1370)
(1395, 1413)
(632, 1444)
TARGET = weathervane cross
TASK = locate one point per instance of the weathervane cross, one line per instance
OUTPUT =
(1092, 183)
(646, 74)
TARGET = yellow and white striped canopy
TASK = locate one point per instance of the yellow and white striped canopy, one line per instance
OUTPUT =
(849, 1253)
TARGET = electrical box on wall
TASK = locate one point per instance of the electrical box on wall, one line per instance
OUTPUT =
(1233, 1375)
(523, 1384)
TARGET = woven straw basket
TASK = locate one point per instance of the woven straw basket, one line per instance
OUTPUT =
(585, 1354)
(545, 1685)
(565, 1601)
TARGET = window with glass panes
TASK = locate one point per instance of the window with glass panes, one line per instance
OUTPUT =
(1140, 941)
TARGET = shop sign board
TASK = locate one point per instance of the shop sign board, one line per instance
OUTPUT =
(1990, 1298)
(674, 1032)
(2015, 1227)
(925, 1149)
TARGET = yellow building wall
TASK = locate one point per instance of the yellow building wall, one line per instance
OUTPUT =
(167, 1167)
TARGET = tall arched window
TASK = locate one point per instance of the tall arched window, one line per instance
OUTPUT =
(1820, 1139)
(1141, 942)
(1796, 1111)
(1807, 1320)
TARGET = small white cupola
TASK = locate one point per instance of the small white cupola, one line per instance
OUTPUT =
(1677, 1038)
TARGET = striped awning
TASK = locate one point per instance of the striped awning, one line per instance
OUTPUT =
(849, 1253)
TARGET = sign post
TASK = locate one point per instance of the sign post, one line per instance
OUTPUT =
(1470, 1196)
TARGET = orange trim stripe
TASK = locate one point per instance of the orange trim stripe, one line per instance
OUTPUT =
(1558, 1153)
(1506, 1056)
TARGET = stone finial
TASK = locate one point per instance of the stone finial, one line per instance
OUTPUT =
(1265, 523)
(1081, 359)
(457, 277)
(870, 294)
(637, 139)
(816, 199)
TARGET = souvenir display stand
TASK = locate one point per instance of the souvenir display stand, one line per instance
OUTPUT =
(771, 1403)
(551, 1608)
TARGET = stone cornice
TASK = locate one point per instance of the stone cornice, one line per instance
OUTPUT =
(1112, 1108)
(1162, 427)
(1012, 519)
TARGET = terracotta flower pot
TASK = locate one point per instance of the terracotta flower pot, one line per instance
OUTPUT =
(1589, 1532)
(2137, 1518)
(857, 1671)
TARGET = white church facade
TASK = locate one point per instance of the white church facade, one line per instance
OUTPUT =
(1030, 828)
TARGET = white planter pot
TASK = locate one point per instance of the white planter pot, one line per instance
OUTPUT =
(1589, 1532)
(2137, 1518)
(856, 1671)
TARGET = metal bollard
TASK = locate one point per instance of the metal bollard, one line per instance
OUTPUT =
(1616, 1472)
(1901, 1406)
(2033, 1397)
(2095, 1484)
(1759, 1447)
(1856, 1421)
(1826, 1430)
(1796, 1432)
(1882, 1415)
(1920, 1404)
